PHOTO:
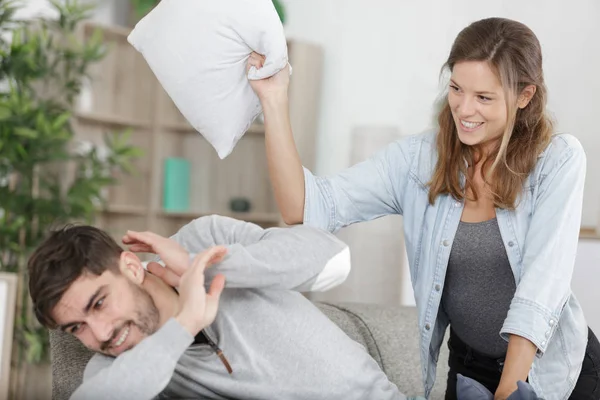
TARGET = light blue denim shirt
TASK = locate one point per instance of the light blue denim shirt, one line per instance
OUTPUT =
(540, 237)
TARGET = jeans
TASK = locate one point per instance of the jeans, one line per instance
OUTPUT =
(487, 371)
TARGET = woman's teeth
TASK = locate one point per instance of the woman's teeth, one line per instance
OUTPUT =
(123, 337)
(470, 125)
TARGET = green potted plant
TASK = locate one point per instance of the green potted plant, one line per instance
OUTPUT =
(42, 67)
(139, 8)
(280, 10)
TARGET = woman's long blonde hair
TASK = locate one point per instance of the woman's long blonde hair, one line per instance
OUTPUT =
(514, 53)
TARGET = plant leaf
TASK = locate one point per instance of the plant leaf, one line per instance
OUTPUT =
(61, 120)
(26, 132)
(5, 112)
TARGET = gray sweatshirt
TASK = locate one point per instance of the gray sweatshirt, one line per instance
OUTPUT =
(279, 345)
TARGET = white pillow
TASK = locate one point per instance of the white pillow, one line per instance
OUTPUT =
(198, 51)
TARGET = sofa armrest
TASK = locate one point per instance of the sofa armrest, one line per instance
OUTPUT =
(68, 358)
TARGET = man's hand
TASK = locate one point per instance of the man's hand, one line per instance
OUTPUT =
(198, 309)
(175, 257)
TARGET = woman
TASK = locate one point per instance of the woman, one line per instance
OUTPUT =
(492, 206)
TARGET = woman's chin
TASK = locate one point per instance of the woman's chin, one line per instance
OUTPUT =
(468, 139)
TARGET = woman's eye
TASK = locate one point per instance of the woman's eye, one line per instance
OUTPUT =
(483, 98)
(454, 88)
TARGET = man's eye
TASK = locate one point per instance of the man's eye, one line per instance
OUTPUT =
(99, 304)
(74, 329)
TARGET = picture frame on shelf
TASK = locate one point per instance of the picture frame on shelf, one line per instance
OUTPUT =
(8, 303)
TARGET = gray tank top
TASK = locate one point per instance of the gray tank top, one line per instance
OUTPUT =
(479, 287)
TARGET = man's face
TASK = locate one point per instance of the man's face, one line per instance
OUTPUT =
(108, 313)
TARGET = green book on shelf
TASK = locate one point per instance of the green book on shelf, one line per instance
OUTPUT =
(176, 186)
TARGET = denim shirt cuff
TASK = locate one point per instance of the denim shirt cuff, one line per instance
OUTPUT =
(529, 320)
(309, 182)
(318, 212)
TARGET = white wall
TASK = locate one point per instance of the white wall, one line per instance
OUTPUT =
(34, 8)
(585, 281)
(112, 11)
(382, 61)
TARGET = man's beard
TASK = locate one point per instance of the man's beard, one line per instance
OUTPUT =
(146, 311)
(146, 319)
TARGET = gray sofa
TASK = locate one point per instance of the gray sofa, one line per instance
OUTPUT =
(389, 334)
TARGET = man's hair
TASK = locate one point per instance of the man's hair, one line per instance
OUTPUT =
(61, 259)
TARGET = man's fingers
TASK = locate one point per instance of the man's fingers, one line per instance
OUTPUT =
(156, 269)
(128, 239)
(163, 273)
(217, 257)
(206, 258)
(148, 238)
(140, 248)
(175, 256)
(217, 286)
(212, 298)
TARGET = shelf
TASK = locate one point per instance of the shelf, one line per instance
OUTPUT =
(125, 209)
(255, 129)
(115, 30)
(100, 118)
(589, 233)
(257, 217)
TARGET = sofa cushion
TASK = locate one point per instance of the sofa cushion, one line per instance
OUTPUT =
(391, 335)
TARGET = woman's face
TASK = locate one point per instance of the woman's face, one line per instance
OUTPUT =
(478, 104)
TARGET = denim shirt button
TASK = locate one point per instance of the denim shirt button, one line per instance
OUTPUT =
(551, 322)
(543, 343)
(457, 204)
(437, 287)
(511, 243)
(547, 334)
(427, 327)
(446, 243)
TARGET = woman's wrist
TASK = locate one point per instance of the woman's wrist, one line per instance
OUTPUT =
(274, 100)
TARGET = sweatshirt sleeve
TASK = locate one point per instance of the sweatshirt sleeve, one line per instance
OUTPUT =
(300, 257)
(140, 373)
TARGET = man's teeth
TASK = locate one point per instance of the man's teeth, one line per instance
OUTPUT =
(123, 337)
(470, 125)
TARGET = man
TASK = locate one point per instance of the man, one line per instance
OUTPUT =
(267, 341)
